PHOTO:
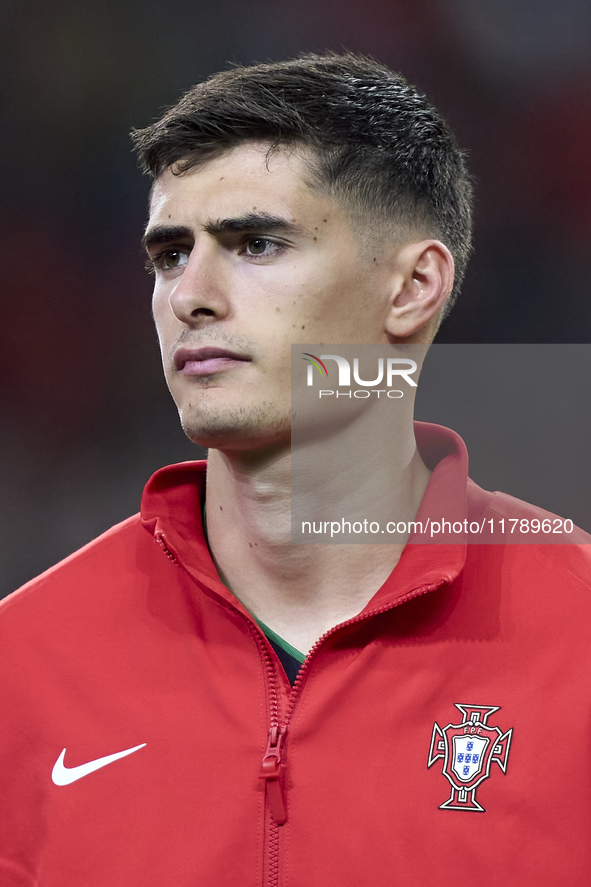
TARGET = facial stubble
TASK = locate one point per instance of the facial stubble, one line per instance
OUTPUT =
(220, 426)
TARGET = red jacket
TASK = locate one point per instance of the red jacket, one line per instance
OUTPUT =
(440, 737)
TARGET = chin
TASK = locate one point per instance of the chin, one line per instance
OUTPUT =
(241, 428)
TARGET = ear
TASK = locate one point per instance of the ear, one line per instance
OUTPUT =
(422, 281)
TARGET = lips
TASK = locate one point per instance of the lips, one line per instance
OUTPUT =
(205, 361)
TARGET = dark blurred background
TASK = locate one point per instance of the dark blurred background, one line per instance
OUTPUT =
(85, 416)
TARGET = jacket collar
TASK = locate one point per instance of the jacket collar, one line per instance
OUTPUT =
(171, 510)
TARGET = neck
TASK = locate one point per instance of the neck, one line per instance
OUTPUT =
(303, 590)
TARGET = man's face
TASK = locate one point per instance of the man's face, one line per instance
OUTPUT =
(249, 260)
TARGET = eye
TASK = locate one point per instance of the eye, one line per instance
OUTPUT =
(168, 260)
(261, 247)
(174, 258)
(258, 246)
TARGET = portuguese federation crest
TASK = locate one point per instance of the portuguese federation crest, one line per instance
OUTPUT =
(468, 751)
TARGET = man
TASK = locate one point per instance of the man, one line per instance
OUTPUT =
(153, 735)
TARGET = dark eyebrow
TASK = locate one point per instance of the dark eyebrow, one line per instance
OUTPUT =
(165, 234)
(252, 222)
(162, 234)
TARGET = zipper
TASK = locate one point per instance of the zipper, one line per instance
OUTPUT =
(273, 761)
(162, 543)
(271, 773)
(271, 765)
(275, 803)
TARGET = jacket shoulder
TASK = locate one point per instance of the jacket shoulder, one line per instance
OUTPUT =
(94, 561)
(564, 545)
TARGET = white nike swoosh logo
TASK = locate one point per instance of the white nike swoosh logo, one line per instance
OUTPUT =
(65, 775)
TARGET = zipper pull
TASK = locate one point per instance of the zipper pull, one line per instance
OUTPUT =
(271, 773)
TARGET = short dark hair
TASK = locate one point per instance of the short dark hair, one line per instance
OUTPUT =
(378, 144)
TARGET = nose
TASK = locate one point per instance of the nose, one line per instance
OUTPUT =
(200, 292)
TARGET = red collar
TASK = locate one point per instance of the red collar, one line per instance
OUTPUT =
(171, 507)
